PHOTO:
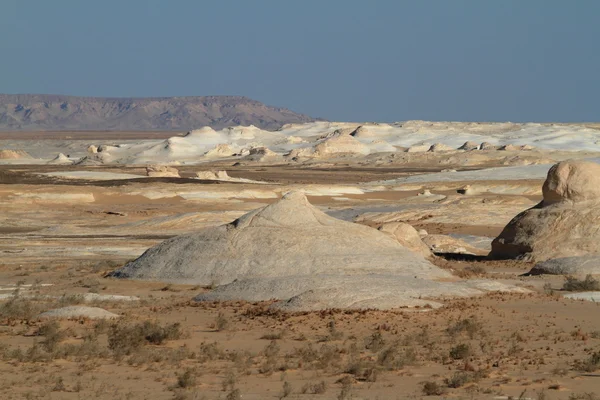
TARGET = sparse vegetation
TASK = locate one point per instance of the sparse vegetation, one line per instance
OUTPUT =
(573, 284)
(221, 322)
(186, 379)
(591, 364)
(314, 388)
(431, 388)
(470, 326)
(286, 390)
(460, 352)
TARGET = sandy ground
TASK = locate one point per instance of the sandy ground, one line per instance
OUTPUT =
(69, 233)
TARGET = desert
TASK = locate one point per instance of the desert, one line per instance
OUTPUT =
(338, 261)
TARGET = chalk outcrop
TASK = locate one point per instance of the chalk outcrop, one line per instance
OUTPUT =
(567, 221)
(161, 171)
(292, 252)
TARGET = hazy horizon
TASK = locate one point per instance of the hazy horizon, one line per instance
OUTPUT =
(346, 61)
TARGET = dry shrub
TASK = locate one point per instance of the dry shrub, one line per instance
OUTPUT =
(470, 326)
(19, 308)
(394, 357)
(460, 352)
(591, 364)
(314, 388)
(125, 339)
(431, 388)
(573, 284)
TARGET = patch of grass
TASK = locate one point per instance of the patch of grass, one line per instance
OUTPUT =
(375, 342)
(286, 390)
(573, 284)
(209, 352)
(52, 335)
(459, 379)
(591, 364)
(235, 394)
(584, 396)
(19, 308)
(470, 326)
(431, 388)
(59, 386)
(221, 322)
(270, 352)
(125, 339)
(229, 380)
(333, 333)
(394, 358)
(186, 379)
(346, 390)
(314, 388)
(460, 352)
(274, 335)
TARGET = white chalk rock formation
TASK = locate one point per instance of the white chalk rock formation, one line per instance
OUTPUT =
(161, 171)
(263, 154)
(567, 221)
(340, 143)
(487, 146)
(445, 244)
(213, 175)
(291, 251)
(220, 151)
(468, 146)
(13, 154)
(440, 147)
(61, 159)
(422, 148)
(407, 236)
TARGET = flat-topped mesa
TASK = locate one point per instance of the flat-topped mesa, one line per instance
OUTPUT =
(572, 181)
(566, 223)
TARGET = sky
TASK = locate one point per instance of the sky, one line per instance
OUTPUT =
(345, 60)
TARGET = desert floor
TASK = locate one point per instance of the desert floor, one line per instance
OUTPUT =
(59, 238)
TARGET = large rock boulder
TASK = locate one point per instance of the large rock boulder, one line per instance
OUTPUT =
(572, 181)
(578, 266)
(567, 221)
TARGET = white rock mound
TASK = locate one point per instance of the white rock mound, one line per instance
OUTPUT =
(566, 223)
(340, 144)
(293, 252)
(13, 154)
(213, 175)
(220, 151)
(61, 159)
(161, 171)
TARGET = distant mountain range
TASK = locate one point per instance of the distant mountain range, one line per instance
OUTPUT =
(55, 112)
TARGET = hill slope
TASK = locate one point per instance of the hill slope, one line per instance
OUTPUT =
(56, 112)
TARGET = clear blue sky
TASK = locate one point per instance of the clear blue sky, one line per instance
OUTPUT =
(521, 60)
